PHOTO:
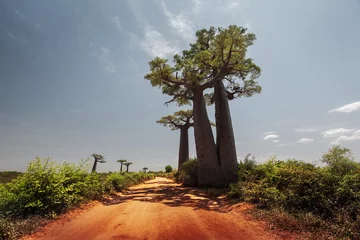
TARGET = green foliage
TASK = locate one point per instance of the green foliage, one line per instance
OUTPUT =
(48, 189)
(298, 187)
(188, 174)
(218, 54)
(168, 168)
(7, 176)
(179, 119)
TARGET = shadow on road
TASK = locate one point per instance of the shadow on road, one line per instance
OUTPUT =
(170, 194)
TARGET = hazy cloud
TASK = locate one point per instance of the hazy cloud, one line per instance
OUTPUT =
(117, 22)
(305, 130)
(155, 44)
(306, 140)
(17, 37)
(233, 4)
(348, 108)
(179, 24)
(102, 54)
(335, 132)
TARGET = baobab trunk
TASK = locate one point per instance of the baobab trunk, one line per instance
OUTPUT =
(184, 146)
(94, 166)
(209, 171)
(225, 139)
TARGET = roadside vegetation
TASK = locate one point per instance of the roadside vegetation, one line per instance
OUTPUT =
(7, 176)
(323, 201)
(47, 189)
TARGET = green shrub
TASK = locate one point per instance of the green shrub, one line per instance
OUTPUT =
(188, 174)
(168, 169)
(330, 193)
(7, 176)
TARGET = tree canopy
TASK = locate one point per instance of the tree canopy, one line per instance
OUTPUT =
(178, 119)
(218, 54)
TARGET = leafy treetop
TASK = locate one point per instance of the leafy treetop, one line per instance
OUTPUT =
(99, 158)
(218, 54)
(180, 119)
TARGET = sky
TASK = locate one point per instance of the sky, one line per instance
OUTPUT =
(72, 78)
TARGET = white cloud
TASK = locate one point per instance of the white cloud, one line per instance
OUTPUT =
(275, 141)
(102, 54)
(271, 136)
(155, 44)
(305, 130)
(116, 20)
(306, 140)
(335, 132)
(348, 108)
(181, 25)
(354, 136)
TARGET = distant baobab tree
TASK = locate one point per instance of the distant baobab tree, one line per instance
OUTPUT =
(127, 164)
(181, 120)
(145, 169)
(97, 159)
(121, 161)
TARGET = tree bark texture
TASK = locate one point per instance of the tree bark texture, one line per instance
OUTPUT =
(225, 139)
(209, 171)
(184, 146)
(94, 166)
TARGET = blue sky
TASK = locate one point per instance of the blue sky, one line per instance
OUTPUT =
(72, 82)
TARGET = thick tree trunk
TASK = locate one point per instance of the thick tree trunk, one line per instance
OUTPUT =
(225, 139)
(127, 168)
(209, 171)
(184, 146)
(94, 166)
(121, 164)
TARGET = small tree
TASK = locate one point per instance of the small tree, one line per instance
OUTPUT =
(145, 169)
(97, 159)
(121, 161)
(127, 164)
(340, 161)
(168, 168)
(182, 120)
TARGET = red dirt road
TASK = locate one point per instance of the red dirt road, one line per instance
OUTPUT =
(157, 209)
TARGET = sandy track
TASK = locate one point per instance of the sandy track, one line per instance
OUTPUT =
(157, 209)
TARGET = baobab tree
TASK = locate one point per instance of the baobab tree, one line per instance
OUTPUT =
(97, 159)
(186, 87)
(182, 120)
(217, 56)
(145, 169)
(127, 164)
(239, 78)
(121, 161)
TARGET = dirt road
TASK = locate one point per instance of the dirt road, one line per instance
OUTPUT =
(157, 209)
